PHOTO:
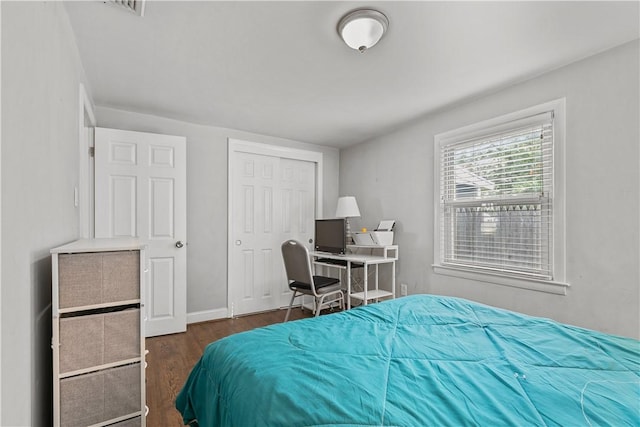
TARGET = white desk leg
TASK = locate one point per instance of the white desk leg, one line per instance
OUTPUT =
(393, 279)
(348, 285)
(366, 283)
(377, 280)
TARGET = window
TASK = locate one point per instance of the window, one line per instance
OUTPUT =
(500, 204)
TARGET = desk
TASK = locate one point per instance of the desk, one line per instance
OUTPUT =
(389, 256)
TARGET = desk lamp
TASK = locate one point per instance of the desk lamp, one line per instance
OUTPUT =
(347, 208)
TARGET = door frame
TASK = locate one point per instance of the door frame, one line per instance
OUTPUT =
(84, 192)
(265, 149)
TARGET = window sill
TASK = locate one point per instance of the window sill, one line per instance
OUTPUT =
(551, 287)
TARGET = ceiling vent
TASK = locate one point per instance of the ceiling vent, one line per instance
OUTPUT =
(134, 6)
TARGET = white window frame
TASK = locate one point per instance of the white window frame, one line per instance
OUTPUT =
(558, 283)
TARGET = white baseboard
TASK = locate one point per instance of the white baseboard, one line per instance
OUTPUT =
(206, 315)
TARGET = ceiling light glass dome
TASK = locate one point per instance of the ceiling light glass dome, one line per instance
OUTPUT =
(362, 28)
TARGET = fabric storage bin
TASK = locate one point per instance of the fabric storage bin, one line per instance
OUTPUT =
(122, 335)
(81, 342)
(100, 396)
(121, 276)
(80, 279)
(97, 339)
(97, 278)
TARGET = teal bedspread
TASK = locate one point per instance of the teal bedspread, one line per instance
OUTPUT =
(416, 361)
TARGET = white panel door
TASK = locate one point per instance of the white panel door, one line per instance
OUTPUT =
(297, 189)
(273, 199)
(140, 181)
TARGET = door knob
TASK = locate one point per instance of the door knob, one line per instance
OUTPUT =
(179, 244)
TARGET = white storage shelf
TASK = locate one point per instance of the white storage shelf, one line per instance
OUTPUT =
(98, 336)
(373, 294)
(387, 251)
(367, 256)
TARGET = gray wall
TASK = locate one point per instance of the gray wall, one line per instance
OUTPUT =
(40, 106)
(207, 165)
(41, 73)
(392, 178)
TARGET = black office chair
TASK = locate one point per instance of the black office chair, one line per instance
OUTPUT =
(297, 264)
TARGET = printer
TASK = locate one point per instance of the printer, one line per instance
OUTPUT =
(381, 236)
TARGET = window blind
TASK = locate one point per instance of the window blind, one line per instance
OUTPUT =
(496, 199)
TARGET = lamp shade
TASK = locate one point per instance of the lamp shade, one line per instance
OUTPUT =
(362, 28)
(347, 207)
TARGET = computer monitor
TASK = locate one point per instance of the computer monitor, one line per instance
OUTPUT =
(330, 236)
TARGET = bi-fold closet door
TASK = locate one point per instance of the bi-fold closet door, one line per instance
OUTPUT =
(273, 197)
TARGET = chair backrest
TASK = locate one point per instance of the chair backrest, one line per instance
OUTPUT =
(297, 262)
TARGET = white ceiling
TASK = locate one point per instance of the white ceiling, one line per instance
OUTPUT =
(280, 68)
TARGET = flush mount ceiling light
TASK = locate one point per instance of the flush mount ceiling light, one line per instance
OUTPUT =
(362, 28)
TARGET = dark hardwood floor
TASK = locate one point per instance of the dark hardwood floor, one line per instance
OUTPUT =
(171, 358)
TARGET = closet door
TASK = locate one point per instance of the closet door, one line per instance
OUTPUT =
(272, 199)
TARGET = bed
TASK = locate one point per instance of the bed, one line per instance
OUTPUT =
(416, 361)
